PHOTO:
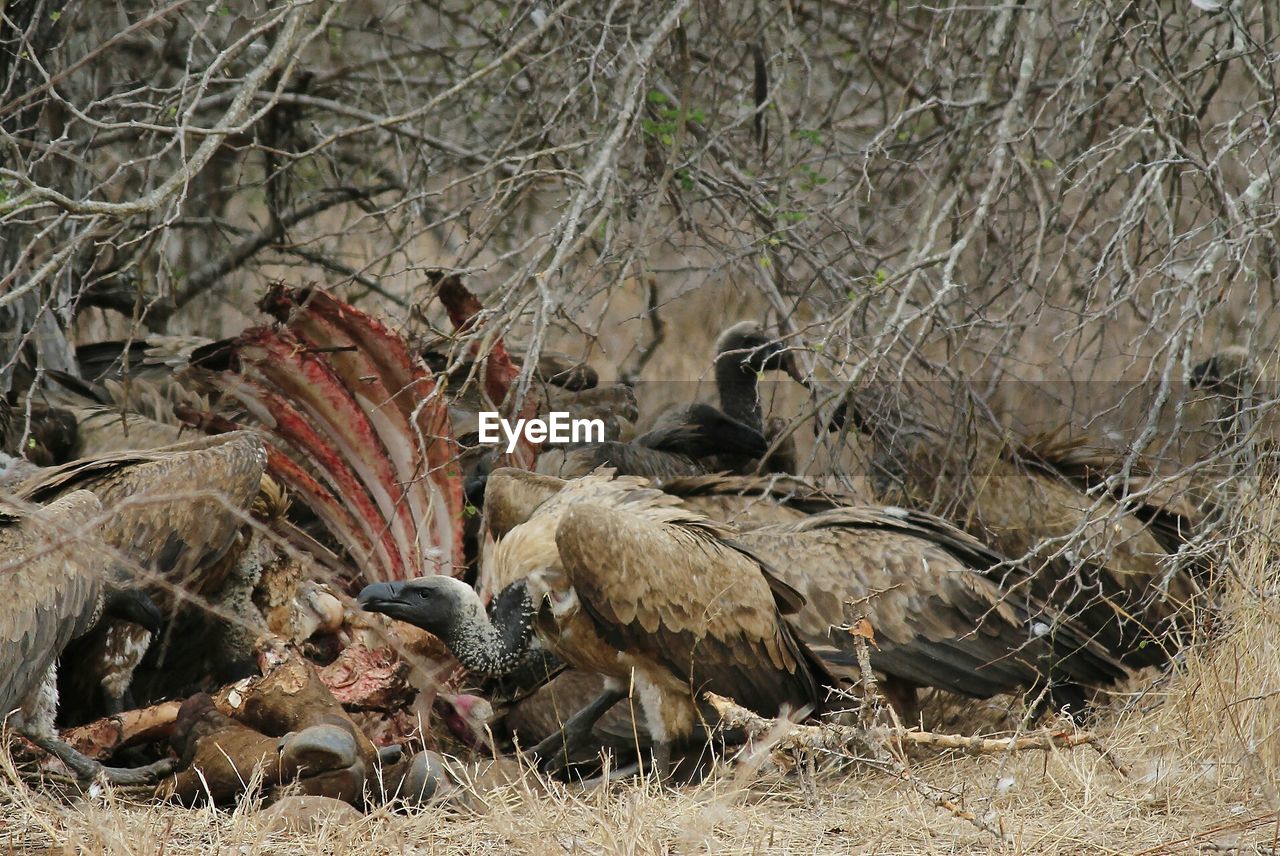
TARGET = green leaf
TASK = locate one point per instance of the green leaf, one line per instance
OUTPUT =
(881, 276)
(55, 15)
(656, 97)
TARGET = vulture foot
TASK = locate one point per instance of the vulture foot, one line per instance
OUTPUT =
(561, 747)
(88, 770)
(148, 775)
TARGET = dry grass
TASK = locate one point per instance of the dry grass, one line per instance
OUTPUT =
(1202, 744)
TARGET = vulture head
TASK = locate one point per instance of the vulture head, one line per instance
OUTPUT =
(743, 353)
(45, 436)
(132, 604)
(492, 643)
(746, 348)
(1231, 372)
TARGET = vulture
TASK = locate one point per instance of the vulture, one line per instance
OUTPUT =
(1243, 451)
(553, 367)
(40, 434)
(618, 579)
(743, 353)
(173, 520)
(698, 438)
(60, 583)
(1098, 557)
(945, 611)
(1233, 376)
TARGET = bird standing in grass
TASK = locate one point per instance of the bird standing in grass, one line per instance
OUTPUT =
(618, 579)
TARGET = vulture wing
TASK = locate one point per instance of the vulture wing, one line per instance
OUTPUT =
(1096, 561)
(938, 619)
(52, 593)
(661, 585)
(175, 510)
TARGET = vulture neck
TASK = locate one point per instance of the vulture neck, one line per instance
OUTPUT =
(493, 644)
(737, 383)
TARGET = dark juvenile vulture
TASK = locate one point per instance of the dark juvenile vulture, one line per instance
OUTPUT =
(625, 583)
(946, 612)
(58, 585)
(1233, 376)
(698, 438)
(553, 367)
(743, 353)
(172, 516)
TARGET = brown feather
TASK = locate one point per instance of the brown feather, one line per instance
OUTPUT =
(631, 585)
(54, 593)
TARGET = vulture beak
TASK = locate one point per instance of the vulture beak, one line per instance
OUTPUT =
(792, 368)
(133, 604)
(1205, 374)
(388, 599)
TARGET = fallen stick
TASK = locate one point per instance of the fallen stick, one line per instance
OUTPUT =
(837, 738)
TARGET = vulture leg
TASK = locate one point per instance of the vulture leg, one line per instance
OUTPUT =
(662, 760)
(576, 732)
(902, 695)
(87, 770)
(112, 703)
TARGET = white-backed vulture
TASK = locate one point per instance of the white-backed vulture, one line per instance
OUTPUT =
(172, 516)
(946, 611)
(625, 583)
(59, 584)
(1093, 556)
